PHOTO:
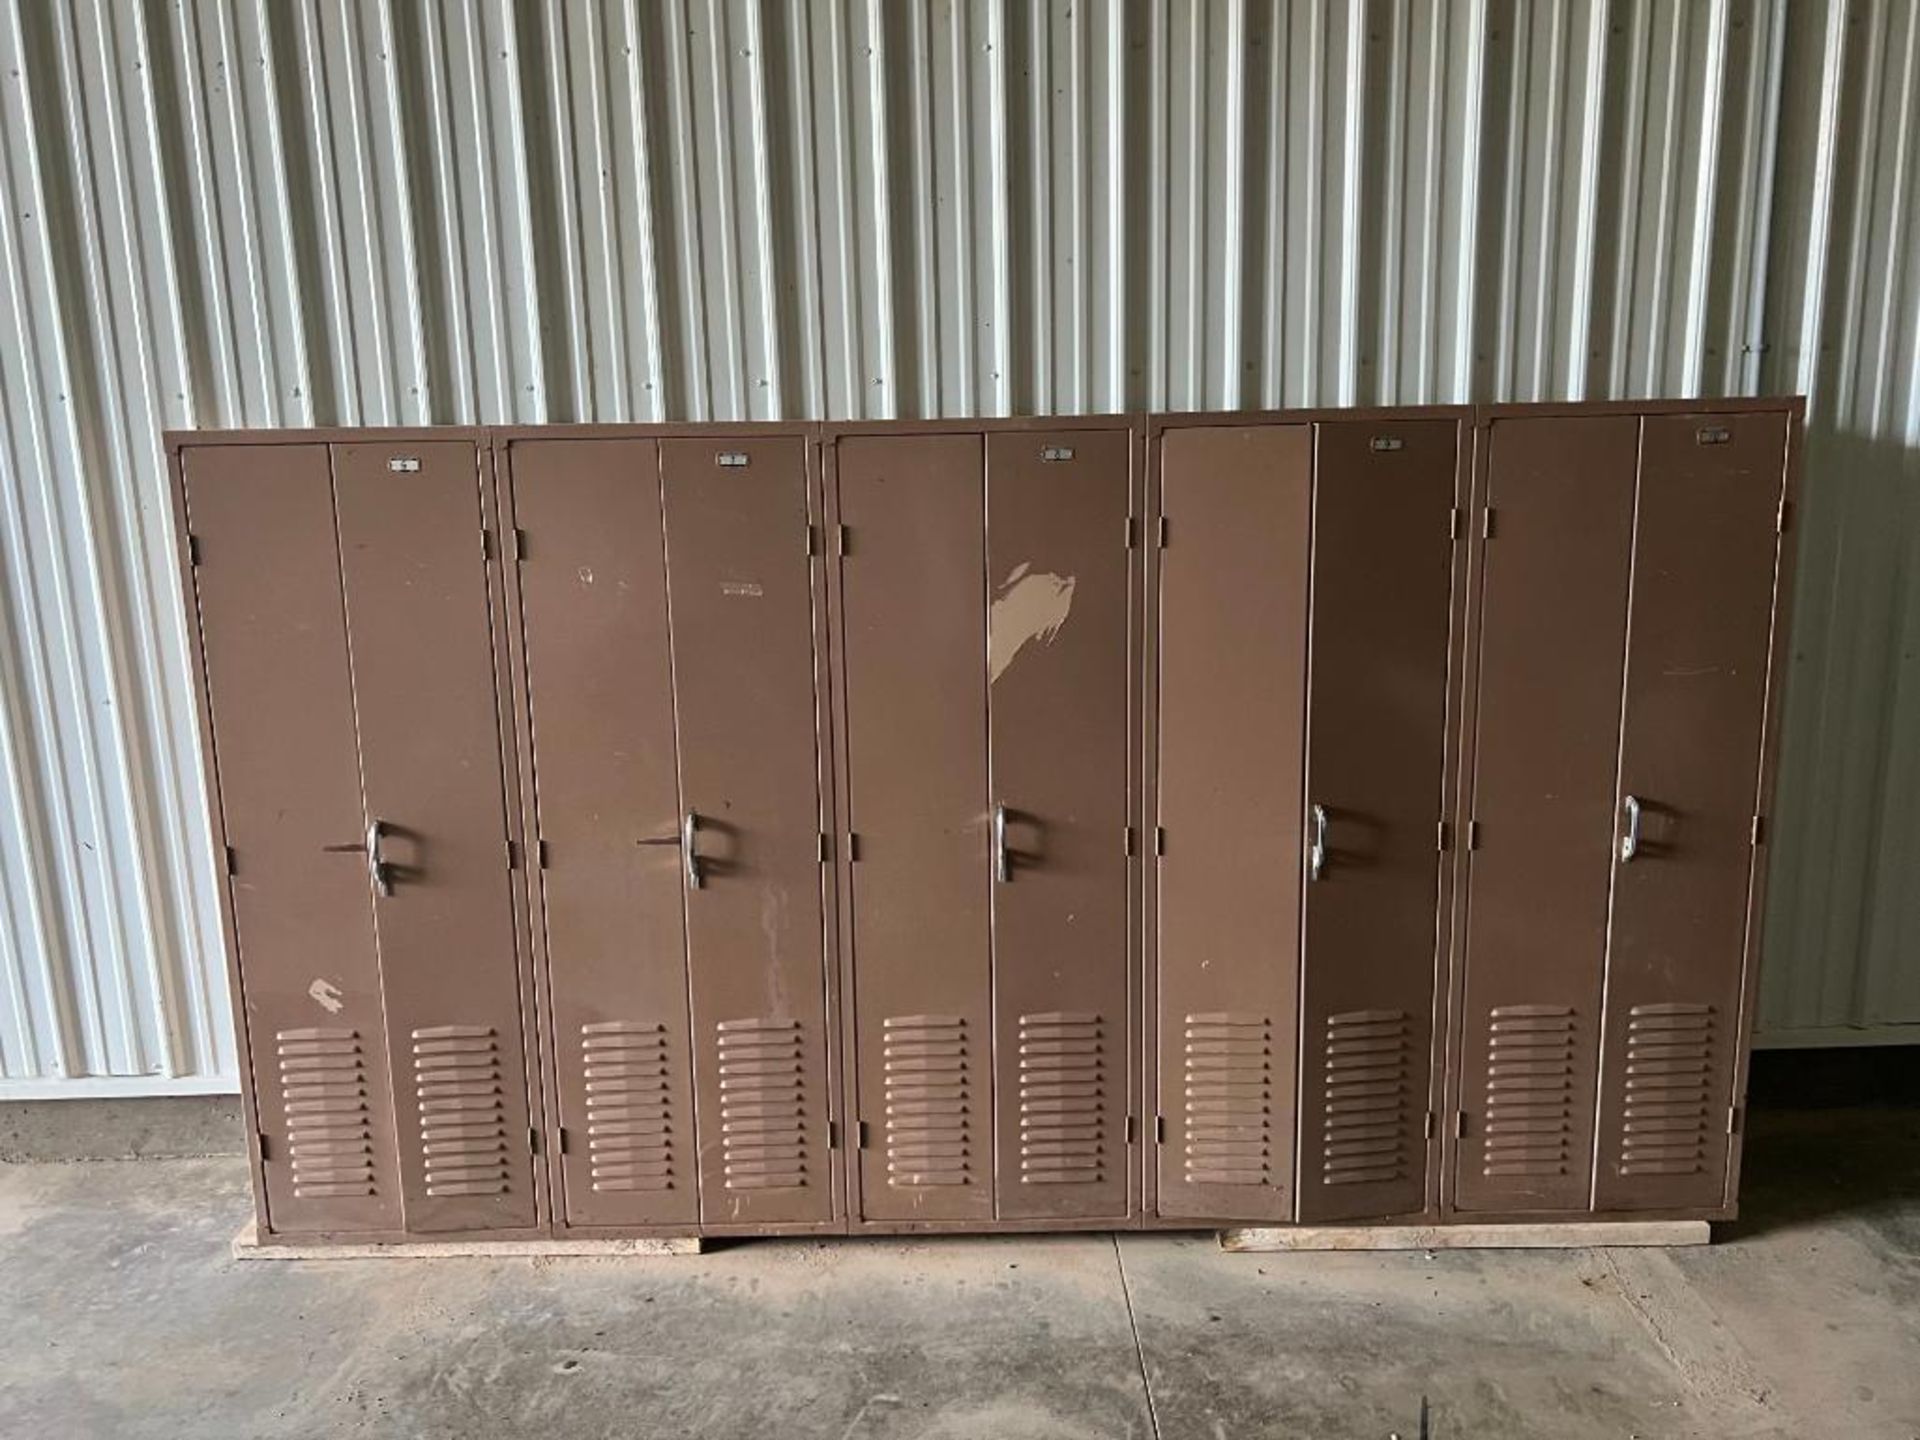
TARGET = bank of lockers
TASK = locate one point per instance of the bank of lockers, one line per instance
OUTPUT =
(1107, 822)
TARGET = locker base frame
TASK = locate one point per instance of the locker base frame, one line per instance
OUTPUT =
(247, 1245)
(1548, 1235)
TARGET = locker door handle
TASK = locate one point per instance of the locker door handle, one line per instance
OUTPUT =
(376, 867)
(688, 824)
(1002, 869)
(1630, 841)
(1317, 851)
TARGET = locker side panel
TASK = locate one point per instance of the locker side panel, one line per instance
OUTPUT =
(600, 684)
(1553, 650)
(273, 638)
(419, 626)
(1384, 492)
(1706, 551)
(740, 599)
(1059, 670)
(914, 636)
(1232, 696)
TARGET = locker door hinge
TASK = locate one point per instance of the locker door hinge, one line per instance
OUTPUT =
(1133, 532)
(860, 1134)
(560, 1139)
(233, 863)
(513, 855)
(826, 847)
(519, 543)
(1733, 1120)
(486, 544)
(1133, 1130)
(1441, 837)
(1473, 834)
(813, 538)
(1453, 524)
(1159, 839)
(1782, 516)
(1459, 1124)
(1163, 532)
(1130, 845)
(540, 853)
(1759, 830)
(833, 1134)
(1433, 1125)
(1486, 523)
(1159, 1129)
(853, 848)
(533, 1141)
(193, 550)
(266, 1150)
(842, 541)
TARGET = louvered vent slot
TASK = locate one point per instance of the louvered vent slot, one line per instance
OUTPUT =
(629, 1119)
(1062, 1098)
(329, 1125)
(763, 1113)
(1229, 1099)
(1529, 1103)
(463, 1112)
(1368, 1115)
(1670, 1065)
(929, 1104)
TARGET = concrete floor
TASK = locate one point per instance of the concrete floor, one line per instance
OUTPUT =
(122, 1315)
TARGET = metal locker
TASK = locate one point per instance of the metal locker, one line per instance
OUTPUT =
(1232, 614)
(1705, 563)
(915, 697)
(740, 596)
(593, 604)
(1383, 541)
(1552, 653)
(286, 767)
(1059, 680)
(418, 620)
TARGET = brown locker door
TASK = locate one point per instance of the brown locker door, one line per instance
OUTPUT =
(418, 625)
(593, 590)
(1552, 647)
(281, 701)
(740, 595)
(1058, 678)
(1705, 551)
(1384, 492)
(916, 697)
(1232, 695)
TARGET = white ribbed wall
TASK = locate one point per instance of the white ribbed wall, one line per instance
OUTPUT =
(260, 212)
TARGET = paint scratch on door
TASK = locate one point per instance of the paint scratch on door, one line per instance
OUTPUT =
(1032, 605)
(327, 994)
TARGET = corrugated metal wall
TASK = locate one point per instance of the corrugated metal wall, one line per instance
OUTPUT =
(236, 212)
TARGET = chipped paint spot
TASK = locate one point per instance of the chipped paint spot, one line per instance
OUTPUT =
(741, 587)
(1032, 605)
(586, 574)
(327, 995)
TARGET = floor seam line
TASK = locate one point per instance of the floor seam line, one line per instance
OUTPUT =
(1133, 1323)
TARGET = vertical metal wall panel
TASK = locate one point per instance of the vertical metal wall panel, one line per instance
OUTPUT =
(468, 210)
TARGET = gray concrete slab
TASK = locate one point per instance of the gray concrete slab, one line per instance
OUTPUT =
(123, 1314)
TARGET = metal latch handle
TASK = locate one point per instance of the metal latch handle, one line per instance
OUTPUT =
(377, 870)
(1630, 841)
(1002, 868)
(688, 824)
(1317, 851)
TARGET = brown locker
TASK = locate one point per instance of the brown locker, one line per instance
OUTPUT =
(1059, 667)
(1383, 538)
(1705, 561)
(913, 600)
(1232, 614)
(287, 775)
(1552, 651)
(418, 621)
(740, 597)
(593, 598)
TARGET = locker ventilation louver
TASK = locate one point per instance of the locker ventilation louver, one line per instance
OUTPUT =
(329, 1125)
(1669, 1082)
(929, 1100)
(1529, 1105)
(1366, 1130)
(629, 1118)
(1062, 1098)
(1229, 1099)
(463, 1112)
(763, 1130)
